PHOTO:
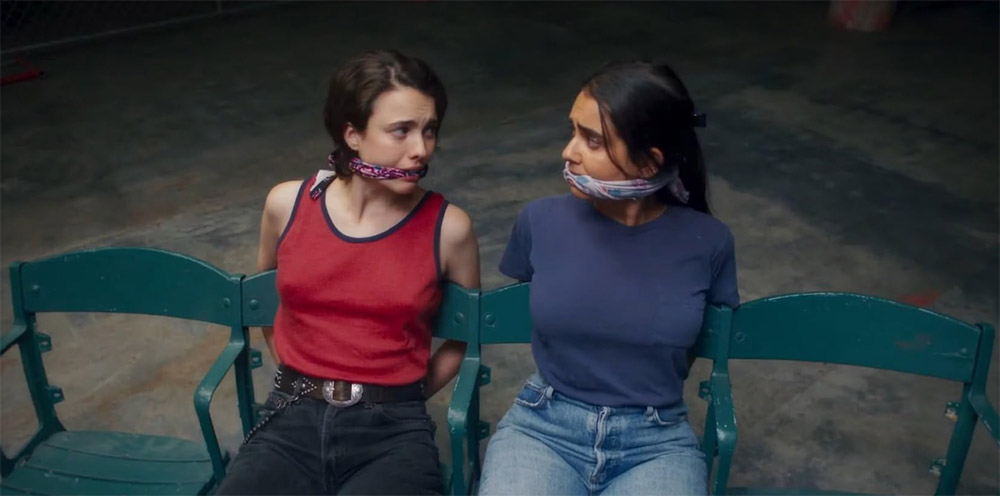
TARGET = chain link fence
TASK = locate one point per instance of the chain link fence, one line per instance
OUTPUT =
(31, 25)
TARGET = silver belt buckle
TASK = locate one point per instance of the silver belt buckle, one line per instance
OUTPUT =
(330, 390)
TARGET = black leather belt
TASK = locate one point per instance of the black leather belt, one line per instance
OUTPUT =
(343, 393)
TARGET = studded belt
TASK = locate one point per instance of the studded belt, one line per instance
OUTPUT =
(344, 393)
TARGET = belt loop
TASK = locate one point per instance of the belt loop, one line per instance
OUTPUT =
(549, 391)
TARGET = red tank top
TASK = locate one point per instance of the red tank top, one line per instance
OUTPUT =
(358, 309)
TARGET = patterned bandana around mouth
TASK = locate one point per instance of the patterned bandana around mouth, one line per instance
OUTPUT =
(380, 172)
(364, 169)
(629, 189)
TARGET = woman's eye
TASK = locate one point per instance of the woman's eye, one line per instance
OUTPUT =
(594, 142)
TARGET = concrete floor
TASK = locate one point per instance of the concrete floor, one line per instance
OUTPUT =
(841, 161)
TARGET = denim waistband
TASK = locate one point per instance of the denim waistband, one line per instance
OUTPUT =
(675, 410)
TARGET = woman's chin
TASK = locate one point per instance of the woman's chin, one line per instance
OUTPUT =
(400, 186)
(579, 194)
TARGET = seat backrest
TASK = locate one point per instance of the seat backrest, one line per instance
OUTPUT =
(456, 318)
(113, 280)
(260, 299)
(504, 315)
(129, 280)
(714, 327)
(852, 329)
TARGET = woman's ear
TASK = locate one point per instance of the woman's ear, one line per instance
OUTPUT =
(657, 156)
(650, 169)
(352, 137)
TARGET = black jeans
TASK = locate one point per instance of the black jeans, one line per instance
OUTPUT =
(311, 447)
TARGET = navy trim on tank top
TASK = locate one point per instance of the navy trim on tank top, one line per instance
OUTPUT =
(387, 232)
(295, 208)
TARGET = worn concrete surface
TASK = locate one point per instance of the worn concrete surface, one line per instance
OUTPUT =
(841, 161)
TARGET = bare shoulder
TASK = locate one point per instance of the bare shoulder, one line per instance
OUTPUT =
(281, 199)
(459, 248)
(456, 227)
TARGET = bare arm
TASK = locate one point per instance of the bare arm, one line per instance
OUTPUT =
(277, 210)
(460, 263)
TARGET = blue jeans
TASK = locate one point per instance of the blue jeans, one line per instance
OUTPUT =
(550, 444)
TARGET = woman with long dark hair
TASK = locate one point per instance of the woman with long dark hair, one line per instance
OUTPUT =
(621, 270)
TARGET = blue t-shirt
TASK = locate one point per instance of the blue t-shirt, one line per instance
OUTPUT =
(616, 308)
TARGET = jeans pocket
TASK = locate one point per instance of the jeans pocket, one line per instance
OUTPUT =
(533, 396)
